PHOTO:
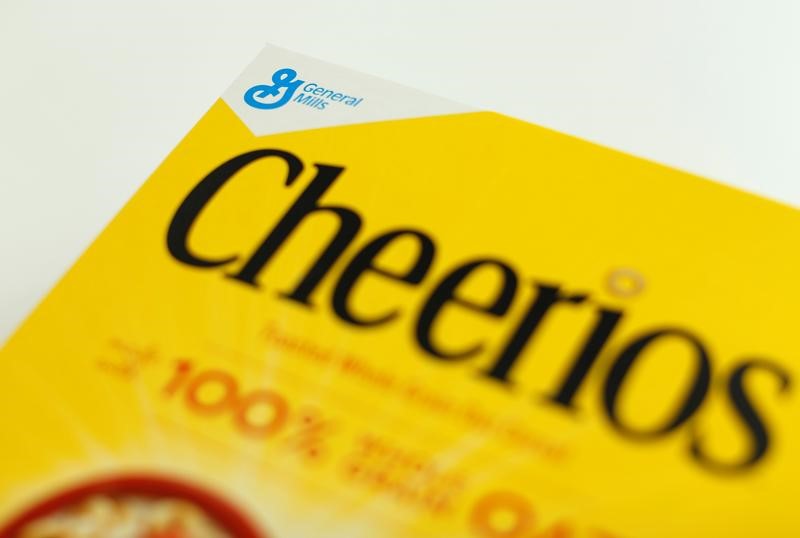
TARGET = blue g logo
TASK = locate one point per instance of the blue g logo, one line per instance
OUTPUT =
(282, 80)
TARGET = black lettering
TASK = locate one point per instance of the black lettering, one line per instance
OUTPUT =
(546, 298)
(204, 191)
(749, 415)
(363, 262)
(622, 367)
(445, 293)
(606, 323)
(305, 205)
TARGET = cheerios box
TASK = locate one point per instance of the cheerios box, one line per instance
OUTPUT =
(343, 307)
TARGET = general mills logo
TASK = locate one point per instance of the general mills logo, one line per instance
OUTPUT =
(285, 85)
(263, 96)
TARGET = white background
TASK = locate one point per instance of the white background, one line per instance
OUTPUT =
(93, 95)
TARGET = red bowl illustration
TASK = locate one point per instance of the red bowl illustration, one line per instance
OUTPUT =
(221, 512)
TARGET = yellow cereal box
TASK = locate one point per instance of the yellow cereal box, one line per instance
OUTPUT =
(342, 307)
